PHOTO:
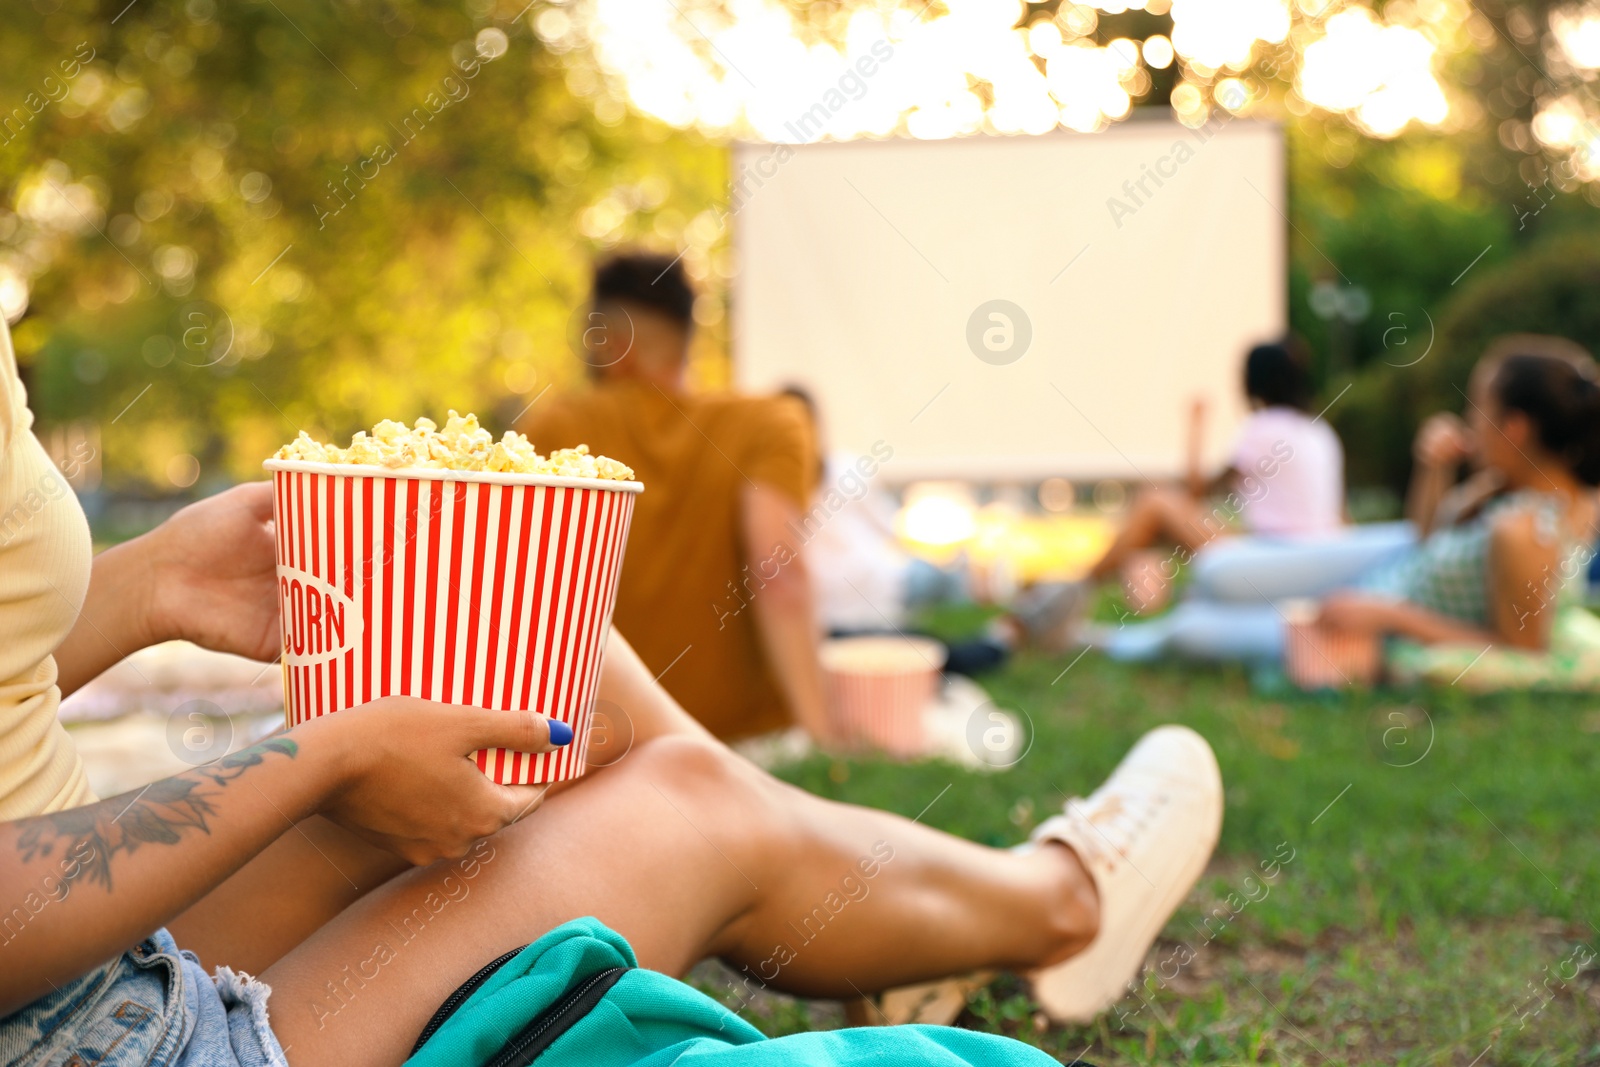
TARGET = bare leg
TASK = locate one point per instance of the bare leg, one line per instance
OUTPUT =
(681, 846)
(687, 851)
(642, 708)
(1159, 515)
(1147, 580)
(283, 896)
(330, 868)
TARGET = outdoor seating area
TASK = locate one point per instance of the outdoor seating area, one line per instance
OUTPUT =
(752, 532)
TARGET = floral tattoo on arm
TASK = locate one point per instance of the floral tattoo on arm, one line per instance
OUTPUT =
(159, 814)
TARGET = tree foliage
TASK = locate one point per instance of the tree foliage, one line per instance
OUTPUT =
(242, 220)
(248, 219)
(1552, 289)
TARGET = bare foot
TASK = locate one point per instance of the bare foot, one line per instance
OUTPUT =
(1148, 590)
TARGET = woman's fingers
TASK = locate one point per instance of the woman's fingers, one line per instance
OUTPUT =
(257, 496)
(520, 801)
(408, 786)
(1443, 439)
(519, 731)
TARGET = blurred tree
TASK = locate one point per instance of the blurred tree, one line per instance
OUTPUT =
(1382, 226)
(1554, 288)
(235, 221)
(253, 218)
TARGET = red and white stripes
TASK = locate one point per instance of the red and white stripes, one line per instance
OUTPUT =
(884, 711)
(1320, 657)
(878, 690)
(464, 592)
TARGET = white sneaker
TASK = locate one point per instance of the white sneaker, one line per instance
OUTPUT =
(1144, 837)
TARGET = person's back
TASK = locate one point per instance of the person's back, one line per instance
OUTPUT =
(713, 594)
(859, 569)
(1284, 478)
(1291, 473)
(685, 595)
(1287, 465)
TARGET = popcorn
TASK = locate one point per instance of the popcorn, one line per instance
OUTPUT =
(462, 445)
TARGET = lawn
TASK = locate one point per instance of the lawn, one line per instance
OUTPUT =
(1433, 862)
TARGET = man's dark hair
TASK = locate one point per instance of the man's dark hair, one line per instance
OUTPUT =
(802, 394)
(650, 281)
(1279, 374)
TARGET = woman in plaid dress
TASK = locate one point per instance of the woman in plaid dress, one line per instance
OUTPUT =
(1491, 562)
(1507, 547)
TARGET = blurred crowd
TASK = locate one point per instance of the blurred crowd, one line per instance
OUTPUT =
(755, 543)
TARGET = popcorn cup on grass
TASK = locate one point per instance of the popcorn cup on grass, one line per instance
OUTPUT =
(466, 587)
(879, 688)
(1320, 657)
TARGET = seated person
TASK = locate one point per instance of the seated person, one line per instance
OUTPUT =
(291, 860)
(864, 580)
(715, 591)
(1492, 564)
(1285, 478)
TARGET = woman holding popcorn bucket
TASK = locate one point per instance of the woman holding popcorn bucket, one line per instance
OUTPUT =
(316, 898)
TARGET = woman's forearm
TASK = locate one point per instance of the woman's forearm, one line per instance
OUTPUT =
(78, 887)
(207, 574)
(115, 621)
(1429, 484)
(1431, 628)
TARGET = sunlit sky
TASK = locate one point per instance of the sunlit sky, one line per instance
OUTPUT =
(1381, 75)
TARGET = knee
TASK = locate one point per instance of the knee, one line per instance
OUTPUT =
(1209, 574)
(684, 759)
(691, 770)
(717, 791)
(1171, 499)
(1224, 573)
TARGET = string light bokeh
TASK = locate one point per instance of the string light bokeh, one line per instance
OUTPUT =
(753, 68)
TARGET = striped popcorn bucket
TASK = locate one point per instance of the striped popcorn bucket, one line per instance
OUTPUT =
(879, 688)
(1321, 657)
(457, 586)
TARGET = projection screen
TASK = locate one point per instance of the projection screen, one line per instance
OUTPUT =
(1013, 308)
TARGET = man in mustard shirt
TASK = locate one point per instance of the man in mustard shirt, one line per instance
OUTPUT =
(714, 593)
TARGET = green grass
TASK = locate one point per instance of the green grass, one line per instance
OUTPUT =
(1445, 854)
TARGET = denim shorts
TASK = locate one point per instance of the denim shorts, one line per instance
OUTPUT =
(153, 1005)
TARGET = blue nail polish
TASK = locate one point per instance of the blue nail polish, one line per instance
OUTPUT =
(560, 733)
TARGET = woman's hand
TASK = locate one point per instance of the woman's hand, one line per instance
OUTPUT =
(1443, 441)
(406, 784)
(1357, 613)
(1442, 444)
(394, 771)
(206, 574)
(1367, 614)
(213, 574)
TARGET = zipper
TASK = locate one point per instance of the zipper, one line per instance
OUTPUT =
(467, 988)
(527, 1046)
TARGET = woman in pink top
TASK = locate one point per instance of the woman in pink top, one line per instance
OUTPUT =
(1285, 478)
